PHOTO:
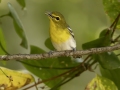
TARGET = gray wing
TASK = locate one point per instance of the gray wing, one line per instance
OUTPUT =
(71, 32)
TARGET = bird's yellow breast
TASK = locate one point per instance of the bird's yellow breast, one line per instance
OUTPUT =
(58, 35)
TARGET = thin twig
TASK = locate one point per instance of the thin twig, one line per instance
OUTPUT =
(72, 74)
(59, 53)
(55, 77)
(115, 24)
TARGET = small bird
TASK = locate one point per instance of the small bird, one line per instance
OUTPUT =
(61, 35)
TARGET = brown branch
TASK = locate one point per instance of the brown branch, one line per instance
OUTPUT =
(59, 54)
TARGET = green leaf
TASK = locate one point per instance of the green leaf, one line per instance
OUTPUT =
(101, 83)
(22, 3)
(113, 75)
(18, 26)
(2, 45)
(102, 41)
(36, 66)
(108, 60)
(2, 42)
(112, 9)
(41, 72)
(48, 44)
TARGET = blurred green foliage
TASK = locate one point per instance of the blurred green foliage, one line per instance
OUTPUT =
(22, 3)
(2, 42)
(112, 9)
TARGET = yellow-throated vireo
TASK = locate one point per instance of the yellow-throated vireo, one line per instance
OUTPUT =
(62, 36)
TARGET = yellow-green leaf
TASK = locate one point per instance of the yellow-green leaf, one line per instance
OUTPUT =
(101, 83)
(16, 79)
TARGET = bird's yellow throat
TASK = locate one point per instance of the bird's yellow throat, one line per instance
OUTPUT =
(58, 35)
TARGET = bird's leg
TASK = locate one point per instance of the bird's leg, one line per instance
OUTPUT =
(74, 49)
(50, 52)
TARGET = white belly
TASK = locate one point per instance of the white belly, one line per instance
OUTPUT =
(70, 44)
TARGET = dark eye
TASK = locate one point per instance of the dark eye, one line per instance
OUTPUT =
(57, 18)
